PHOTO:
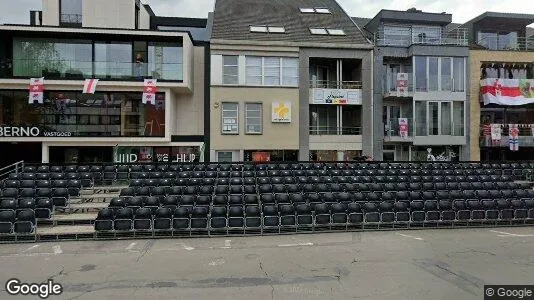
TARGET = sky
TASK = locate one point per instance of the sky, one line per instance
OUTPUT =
(17, 11)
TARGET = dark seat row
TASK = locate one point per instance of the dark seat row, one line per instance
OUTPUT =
(19, 222)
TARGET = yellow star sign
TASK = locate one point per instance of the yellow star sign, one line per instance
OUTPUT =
(282, 111)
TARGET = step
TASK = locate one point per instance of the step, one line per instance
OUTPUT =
(74, 216)
(100, 196)
(65, 230)
(86, 207)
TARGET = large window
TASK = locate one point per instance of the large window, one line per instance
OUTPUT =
(230, 118)
(85, 115)
(439, 74)
(113, 60)
(444, 118)
(498, 40)
(164, 61)
(71, 12)
(335, 119)
(52, 58)
(253, 118)
(420, 118)
(271, 71)
(230, 69)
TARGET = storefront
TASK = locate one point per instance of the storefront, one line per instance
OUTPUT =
(271, 155)
(145, 154)
(334, 155)
(435, 153)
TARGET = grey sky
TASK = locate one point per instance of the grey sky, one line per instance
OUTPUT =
(17, 11)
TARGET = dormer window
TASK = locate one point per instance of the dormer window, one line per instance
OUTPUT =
(267, 29)
(336, 31)
(315, 10)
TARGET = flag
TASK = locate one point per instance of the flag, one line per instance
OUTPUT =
(149, 91)
(513, 137)
(89, 86)
(403, 128)
(496, 134)
(532, 129)
(36, 90)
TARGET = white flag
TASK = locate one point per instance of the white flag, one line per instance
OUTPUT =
(36, 90)
(89, 87)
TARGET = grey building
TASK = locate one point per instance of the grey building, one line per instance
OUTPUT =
(420, 94)
(290, 80)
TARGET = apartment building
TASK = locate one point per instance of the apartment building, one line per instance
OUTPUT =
(290, 80)
(420, 93)
(121, 43)
(501, 63)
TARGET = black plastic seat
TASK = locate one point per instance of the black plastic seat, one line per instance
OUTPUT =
(143, 219)
(236, 217)
(252, 216)
(287, 215)
(322, 214)
(304, 215)
(7, 220)
(199, 218)
(25, 222)
(123, 219)
(218, 217)
(270, 216)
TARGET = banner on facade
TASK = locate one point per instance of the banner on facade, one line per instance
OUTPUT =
(149, 92)
(337, 96)
(403, 128)
(513, 137)
(89, 87)
(281, 112)
(402, 84)
(496, 134)
(36, 90)
(507, 91)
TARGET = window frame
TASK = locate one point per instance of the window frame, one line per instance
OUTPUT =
(258, 28)
(260, 118)
(236, 118)
(281, 71)
(336, 31)
(232, 66)
(318, 31)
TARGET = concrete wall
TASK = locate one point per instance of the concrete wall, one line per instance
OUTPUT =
(276, 136)
(144, 18)
(476, 58)
(367, 144)
(50, 12)
(109, 14)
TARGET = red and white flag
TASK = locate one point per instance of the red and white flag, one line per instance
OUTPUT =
(403, 127)
(150, 90)
(89, 87)
(507, 91)
(36, 90)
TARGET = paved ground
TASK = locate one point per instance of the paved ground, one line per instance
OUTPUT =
(425, 264)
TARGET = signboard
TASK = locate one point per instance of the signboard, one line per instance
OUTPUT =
(136, 154)
(337, 96)
(281, 112)
(507, 91)
(20, 131)
(402, 84)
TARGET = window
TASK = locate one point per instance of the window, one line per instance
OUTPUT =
(71, 12)
(224, 156)
(446, 74)
(230, 118)
(258, 28)
(336, 31)
(459, 74)
(420, 118)
(275, 29)
(113, 60)
(230, 69)
(458, 118)
(433, 71)
(268, 29)
(253, 118)
(272, 71)
(164, 61)
(318, 31)
(254, 70)
(318, 10)
(420, 73)
(290, 71)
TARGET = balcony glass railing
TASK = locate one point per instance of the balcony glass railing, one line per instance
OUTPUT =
(392, 128)
(71, 69)
(333, 130)
(325, 84)
(504, 43)
(405, 36)
(390, 83)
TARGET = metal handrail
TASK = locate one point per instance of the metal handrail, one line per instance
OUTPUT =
(410, 35)
(499, 44)
(335, 130)
(329, 84)
(15, 167)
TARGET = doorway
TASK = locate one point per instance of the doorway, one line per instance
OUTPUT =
(388, 155)
(15, 152)
(80, 155)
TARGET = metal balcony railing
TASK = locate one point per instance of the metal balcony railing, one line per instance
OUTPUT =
(334, 130)
(390, 83)
(73, 69)
(71, 18)
(325, 84)
(506, 44)
(392, 128)
(405, 36)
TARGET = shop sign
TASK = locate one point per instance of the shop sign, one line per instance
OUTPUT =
(155, 154)
(281, 112)
(19, 131)
(337, 96)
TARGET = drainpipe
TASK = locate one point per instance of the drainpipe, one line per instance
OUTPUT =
(372, 103)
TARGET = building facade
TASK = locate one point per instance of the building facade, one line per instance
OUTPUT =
(121, 43)
(502, 76)
(289, 84)
(420, 95)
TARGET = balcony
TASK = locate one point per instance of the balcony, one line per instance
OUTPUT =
(336, 92)
(76, 70)
(406, 36)
(525, 137)
(392, 131)
(389, 85)
(71, 20)
(505, 43)
(333, 130)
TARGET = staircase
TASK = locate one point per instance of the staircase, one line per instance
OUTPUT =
(76, 221)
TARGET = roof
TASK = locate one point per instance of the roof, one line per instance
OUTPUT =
(411, 16)
(361, 21)
(530, 31)
(527, 19)
(233, 18)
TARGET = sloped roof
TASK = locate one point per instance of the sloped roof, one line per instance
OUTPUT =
(233, 18)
